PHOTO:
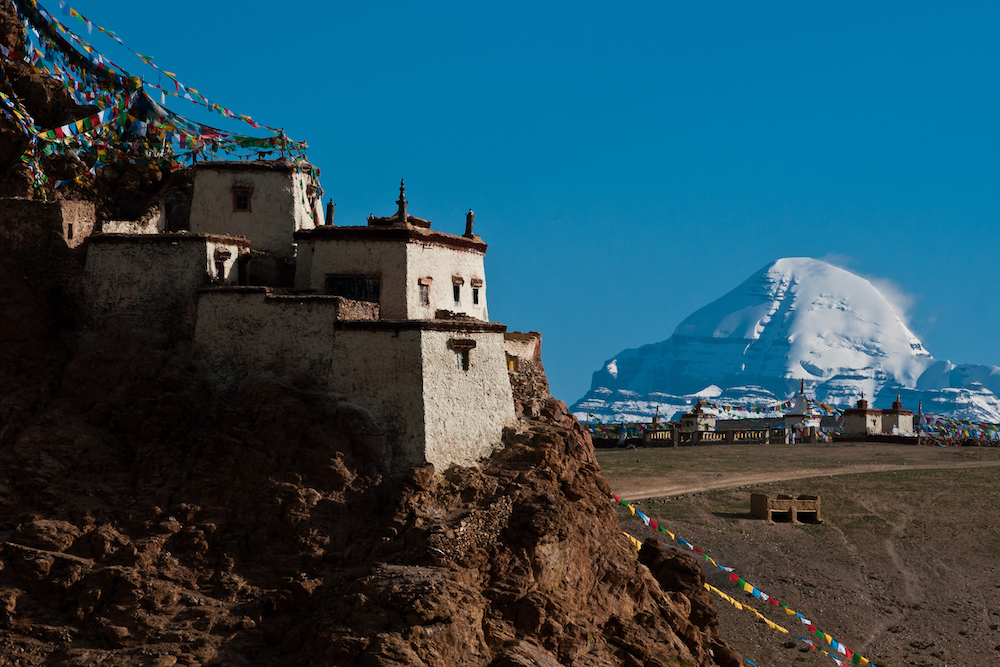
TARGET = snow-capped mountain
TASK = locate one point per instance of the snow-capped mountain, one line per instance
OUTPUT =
(797, 319)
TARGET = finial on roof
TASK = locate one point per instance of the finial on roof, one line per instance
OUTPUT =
(897, 397)
(401, 214)
(470, 220)
(802, 387)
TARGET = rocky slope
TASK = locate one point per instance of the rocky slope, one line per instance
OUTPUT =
(797, 319)
(144, 520)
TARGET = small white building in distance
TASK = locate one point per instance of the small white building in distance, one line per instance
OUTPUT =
(862, 421)
(798, 419)
(898, 421)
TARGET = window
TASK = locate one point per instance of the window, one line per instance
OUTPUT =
(463, 350)
(477, 284)
(69, 232)
(357, 287)
(242, 195)
(424, 285)
(458, 293)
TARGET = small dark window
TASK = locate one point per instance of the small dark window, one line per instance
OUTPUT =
(462, 359)
(69, 232)
(242, 197)
(425, 295)
(359, 288)
(458, 293)
(475, 295)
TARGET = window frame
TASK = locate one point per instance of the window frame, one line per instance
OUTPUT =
(242, 191)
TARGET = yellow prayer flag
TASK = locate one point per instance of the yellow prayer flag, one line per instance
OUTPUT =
(747, 587)
(737, 605)
(829, 639)
(636, 543)
(789, 612)
(631, 509)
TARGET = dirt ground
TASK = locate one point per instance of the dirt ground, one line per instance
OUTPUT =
(904, 568)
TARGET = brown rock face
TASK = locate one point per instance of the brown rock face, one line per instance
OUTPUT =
(144, 518)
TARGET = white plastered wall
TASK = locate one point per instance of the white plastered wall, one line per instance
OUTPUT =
(442, 263)
(279, 207)
(152, 281)
(386, 259)
(400, 265)
(465, 410)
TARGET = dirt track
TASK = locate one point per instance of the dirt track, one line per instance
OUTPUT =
(903, 569)
(694, 482)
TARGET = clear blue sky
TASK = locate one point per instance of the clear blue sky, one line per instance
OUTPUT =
(629, 164)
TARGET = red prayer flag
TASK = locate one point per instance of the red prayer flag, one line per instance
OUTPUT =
(617, 499)
(733, 577)
(653, 524)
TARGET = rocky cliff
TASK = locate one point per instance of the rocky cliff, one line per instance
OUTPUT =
(146, 520)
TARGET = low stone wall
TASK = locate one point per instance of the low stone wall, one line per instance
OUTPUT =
(529, 384)
(153, 222)
(152, 280)
(29, 225)
(247, 328)
(786, 509)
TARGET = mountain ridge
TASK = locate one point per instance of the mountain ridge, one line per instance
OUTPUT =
(796, 319)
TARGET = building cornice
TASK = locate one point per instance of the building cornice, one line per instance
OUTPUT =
(390, 235)
(183, 237)
(458, 326)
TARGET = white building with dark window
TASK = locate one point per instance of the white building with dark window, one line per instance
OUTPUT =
(412, 271)
(391, 314)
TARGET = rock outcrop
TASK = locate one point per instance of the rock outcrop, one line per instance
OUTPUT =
(144, 520)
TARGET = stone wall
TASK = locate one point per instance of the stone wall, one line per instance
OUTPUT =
(387, 260)
(153, 280)
(465, 409)
(153, 222)
(406, 373)
(241, 329)
(400, 263)
(29, 225)
(442, 264)
(529, 384)
(279, 206)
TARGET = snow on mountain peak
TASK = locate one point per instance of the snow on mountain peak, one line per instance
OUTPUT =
(795, 319)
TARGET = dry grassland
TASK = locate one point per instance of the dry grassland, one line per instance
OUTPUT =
(904, 569)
